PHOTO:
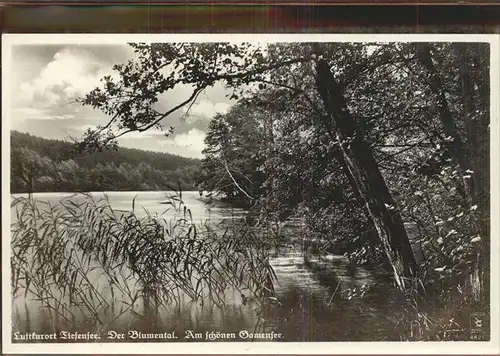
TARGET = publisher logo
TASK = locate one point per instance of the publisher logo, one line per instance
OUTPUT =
(479, 326)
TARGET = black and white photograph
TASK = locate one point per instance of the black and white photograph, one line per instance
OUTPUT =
(279, 193)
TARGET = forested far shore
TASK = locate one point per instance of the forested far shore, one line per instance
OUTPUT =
(47, 165)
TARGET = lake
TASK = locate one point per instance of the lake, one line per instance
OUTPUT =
(318, 299)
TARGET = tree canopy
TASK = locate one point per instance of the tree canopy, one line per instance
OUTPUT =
(362, 140)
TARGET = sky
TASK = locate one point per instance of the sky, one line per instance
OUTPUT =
(47, 78)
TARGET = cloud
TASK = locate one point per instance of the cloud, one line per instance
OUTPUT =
(189, 144)
(72, 72)
(151, 133)
(208, 109)
(49, 92)
(50, 77)
(32, 114)
(193, 139)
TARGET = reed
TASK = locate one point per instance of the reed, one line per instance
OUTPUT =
(80, 256)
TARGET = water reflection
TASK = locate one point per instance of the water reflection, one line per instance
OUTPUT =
(318, 299)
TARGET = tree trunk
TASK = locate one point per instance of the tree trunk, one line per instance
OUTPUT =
(366, 178)
(455, 145)
(28, 180)
(476, 119)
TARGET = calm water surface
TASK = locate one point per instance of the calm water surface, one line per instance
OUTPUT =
(318, 299)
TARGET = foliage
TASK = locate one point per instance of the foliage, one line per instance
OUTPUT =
(421, 110)
(436, 189)
(233, 156)
(130, 96)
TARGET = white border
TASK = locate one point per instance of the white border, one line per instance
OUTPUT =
(465, 347)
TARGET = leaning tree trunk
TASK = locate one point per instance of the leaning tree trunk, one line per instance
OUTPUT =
(366, 178)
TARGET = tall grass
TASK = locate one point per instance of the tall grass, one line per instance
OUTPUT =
(80, 256)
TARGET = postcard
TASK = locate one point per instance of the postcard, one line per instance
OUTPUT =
(257, 193)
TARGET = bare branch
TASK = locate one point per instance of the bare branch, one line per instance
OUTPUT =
(234, 181)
